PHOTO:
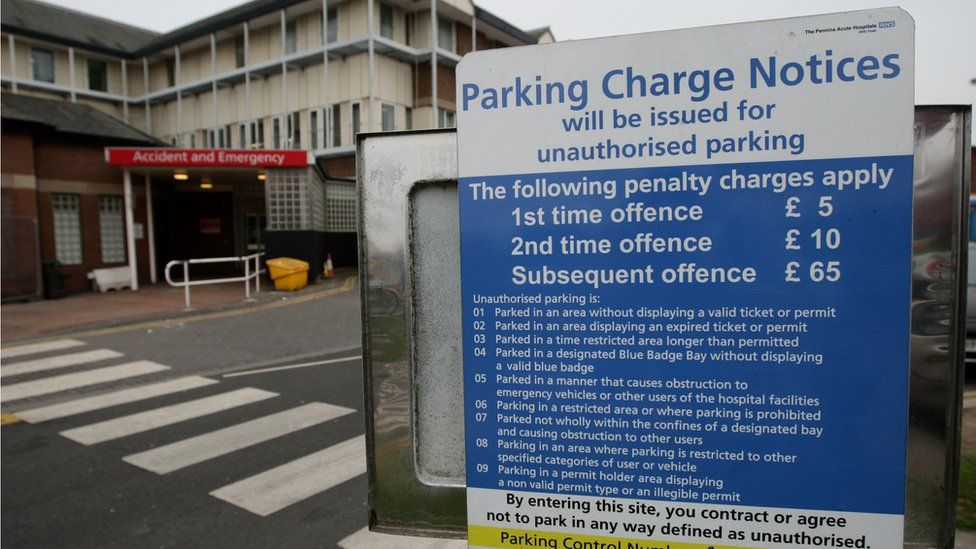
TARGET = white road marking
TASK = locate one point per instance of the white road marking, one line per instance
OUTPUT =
(293, 366)
(160, 417)
(106, 400)
(59, 361)
(184, 453)
(295, 481)
(64, 382)
(57, 345)
(364, 539)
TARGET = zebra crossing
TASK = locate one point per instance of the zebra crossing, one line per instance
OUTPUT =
(262, 494)
(68, 365)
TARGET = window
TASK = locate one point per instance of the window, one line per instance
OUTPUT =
(111, 227)
(386, 21)
(254, 231)
(445, 118)
(408, 115)
(257, 134)
(340, 207)
(313, 129)
(295, 201)
(291, 37)
(42, 65)
(239, 58)
(67, 228)
(445, 34)
(410, 21)
(217, 138)
(335, 120)
(294, 131)
(97, 75)
(332, 28)
(356, 115)
(276, 132)
(242, 136)
(170, 72)
(389, 117)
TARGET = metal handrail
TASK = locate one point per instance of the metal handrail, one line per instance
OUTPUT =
(248, 274)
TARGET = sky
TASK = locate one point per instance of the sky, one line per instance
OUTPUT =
(945, 64)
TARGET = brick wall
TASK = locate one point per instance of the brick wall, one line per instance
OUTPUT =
(18, 206)
(77, 167)
(341, 166)
(445, 85)
(462, 33)
(74, 161)
(17, 153)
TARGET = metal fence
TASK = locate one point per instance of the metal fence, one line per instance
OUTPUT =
(251, 272)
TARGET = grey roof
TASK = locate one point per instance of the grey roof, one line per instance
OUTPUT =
(73, 28)
(497, 22)
(537, 33)
(68, 118)
(56, 24)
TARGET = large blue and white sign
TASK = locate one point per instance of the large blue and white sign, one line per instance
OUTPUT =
(685, 266)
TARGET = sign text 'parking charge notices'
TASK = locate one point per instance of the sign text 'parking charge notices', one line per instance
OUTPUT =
(685, 266)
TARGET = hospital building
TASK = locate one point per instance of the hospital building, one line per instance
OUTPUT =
(232, 135)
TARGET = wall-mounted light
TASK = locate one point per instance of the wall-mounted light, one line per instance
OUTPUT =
(262, 175)
(180, 175)
(206, 185)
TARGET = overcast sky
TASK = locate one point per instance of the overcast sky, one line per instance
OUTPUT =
(945, 64)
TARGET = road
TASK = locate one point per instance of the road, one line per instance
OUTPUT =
(228, 431)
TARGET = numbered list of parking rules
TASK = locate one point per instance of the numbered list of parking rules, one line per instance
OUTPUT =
(672, 334)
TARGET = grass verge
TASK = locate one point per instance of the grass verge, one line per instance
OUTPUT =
(966, 511)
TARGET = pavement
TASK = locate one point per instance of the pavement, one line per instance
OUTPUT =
(90, 310)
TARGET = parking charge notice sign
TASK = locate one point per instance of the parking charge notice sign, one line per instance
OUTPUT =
(685, 266)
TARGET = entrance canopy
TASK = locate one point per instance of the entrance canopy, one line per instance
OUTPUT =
(195, 164)
(235, 172)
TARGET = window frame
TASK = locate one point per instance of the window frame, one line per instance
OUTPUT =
(121, 226)
(88, 74)
(441, 20)
(383, 110)
(335, 125)
(409, 23)
(387, 10)
(355, 118)
(442, 118)
(291, 37)
(293, 126)
(317, 128)
(331, 26)
(59, 252)
(240, 56)
(34, 64)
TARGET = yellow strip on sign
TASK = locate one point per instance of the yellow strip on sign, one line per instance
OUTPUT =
(487, 536)
(7, 418)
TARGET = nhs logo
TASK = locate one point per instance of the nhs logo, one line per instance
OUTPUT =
(886, 24)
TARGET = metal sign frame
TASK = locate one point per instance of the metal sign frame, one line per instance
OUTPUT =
(409, 279)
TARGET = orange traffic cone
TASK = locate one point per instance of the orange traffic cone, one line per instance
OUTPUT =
(329, 271)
